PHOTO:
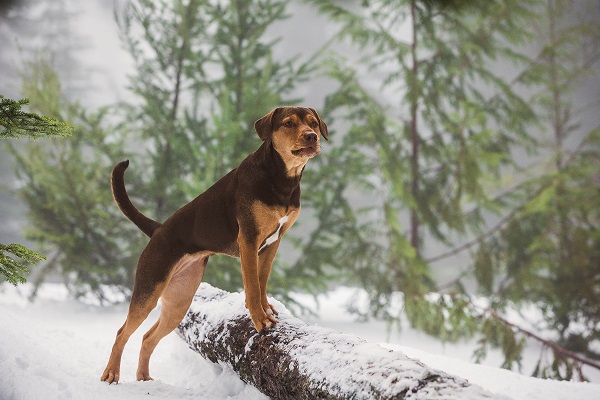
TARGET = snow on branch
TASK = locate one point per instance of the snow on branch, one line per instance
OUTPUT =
(296, 361)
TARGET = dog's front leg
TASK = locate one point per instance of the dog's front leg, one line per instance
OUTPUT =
(250, 276)
(265, 262)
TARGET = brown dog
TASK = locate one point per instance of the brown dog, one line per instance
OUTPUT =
(243, 215)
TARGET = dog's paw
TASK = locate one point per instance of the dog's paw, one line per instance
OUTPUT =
(144, 376)
(263, 321)
(270, 310)
(110, 376)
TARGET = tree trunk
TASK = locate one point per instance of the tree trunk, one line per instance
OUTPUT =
(296, 361)
(415, 174)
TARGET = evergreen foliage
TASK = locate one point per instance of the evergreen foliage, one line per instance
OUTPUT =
(432, 151)
(17, 123)
(548, 253)
(12, 269)
(66, 188)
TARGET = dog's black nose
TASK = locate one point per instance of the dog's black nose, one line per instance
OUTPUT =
(310, 137)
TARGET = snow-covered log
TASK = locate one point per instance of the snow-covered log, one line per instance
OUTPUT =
(293, 360)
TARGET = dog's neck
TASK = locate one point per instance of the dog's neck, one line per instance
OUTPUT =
(286, 176)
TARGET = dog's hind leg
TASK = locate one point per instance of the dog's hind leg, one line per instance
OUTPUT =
(138, 311)
(176, 299)
(154, 268)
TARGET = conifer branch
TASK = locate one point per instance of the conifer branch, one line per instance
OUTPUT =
(545, 342)
(10, 267)
(15, 123)
(490, 232)
(513, 213)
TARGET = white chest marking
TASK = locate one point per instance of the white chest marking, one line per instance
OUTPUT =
(273, 238)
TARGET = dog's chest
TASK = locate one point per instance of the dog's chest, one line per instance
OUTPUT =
(275, 235)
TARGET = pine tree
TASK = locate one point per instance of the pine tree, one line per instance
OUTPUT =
(434, 135)
(252, 83)
(167, 42)
(66, 188)
(12, 269)
(17, 123)
(548, 252)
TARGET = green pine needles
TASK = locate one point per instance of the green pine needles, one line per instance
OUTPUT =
(16, 123)
(13, 269)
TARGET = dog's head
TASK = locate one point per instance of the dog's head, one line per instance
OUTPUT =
(295, 131)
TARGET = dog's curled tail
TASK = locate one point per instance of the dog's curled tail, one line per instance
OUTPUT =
(146, 225)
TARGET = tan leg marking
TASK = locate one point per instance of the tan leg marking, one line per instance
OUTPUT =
(176, 300)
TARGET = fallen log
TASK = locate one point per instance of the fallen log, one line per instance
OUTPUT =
(293, 360)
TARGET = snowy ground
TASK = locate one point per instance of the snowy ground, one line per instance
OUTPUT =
(57, 348)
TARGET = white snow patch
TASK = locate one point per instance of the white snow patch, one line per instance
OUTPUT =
(57, 348)
(504, 382)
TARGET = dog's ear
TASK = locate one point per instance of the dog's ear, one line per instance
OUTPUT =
(264, 126)
(322, 124)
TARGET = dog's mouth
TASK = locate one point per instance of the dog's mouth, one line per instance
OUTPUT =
(308, 152)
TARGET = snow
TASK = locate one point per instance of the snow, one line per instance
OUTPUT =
(504, 382)
(56, 348)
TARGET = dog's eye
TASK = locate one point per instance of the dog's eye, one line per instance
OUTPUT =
(288, 124)
(313, 123)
